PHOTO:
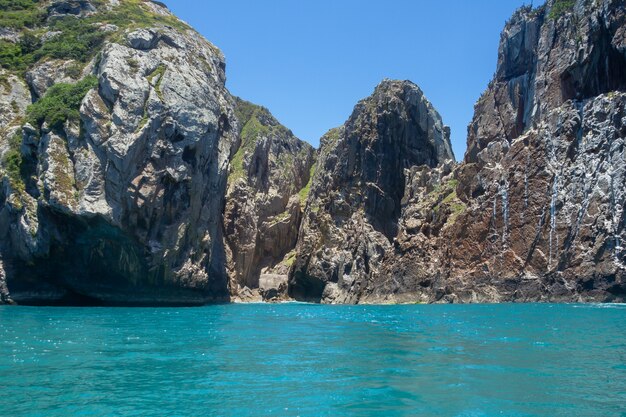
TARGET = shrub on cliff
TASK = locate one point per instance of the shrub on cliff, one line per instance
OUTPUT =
(560, 7)
(60, 103)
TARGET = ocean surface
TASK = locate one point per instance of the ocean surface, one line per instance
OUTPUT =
(314, 360)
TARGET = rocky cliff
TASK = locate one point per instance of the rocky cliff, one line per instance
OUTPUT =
(543, 175)
(355, 207)
(116, 175)
(534, 212)
(125, 159)
(268, 186)
(132, 176)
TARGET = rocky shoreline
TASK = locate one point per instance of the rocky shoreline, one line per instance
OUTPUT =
(132, 176)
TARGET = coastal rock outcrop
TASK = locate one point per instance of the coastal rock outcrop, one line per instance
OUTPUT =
(535, 211)
(130, 175)
(268, 184)
(117, 198)
(543, 176)
(355, 204)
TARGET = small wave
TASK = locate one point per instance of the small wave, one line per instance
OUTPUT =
(620, 306)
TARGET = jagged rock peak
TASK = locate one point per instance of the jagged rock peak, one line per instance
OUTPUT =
(356, 200)
(405, 100)
(563, 50)
(246, 111)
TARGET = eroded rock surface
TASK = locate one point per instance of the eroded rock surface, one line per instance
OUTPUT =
(544, 171)
(123, 205)
(265, 199)
(156, 186)
(535, 212)
(355, 204)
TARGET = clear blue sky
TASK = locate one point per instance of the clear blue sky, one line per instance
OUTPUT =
(309, 62)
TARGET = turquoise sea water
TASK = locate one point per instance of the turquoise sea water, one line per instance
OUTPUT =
(313, 360)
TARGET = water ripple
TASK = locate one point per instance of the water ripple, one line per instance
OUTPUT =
(312, 360)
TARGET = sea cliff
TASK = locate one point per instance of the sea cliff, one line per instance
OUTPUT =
(131, 175)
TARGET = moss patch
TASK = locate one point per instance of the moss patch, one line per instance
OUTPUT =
(280, 217)
(444, 196)
(158, 72)
(143, 121)
(289, 259)
(133, 64)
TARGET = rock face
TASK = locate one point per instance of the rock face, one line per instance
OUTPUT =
(136, 178)
(266, 193)
(534, 212)
(71, 7)
(122, 205)
(355, 204)
(543, 175)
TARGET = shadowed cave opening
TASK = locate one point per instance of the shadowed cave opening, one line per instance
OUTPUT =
(603, 71)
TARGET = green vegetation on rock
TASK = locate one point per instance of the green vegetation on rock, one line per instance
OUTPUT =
(444, 196)
(133, 14)
(281, 216)
(332, 136)
(290, 258)
(12, 163)
(60, 103)
(255, 121)
(61, 169)
(11, 56)
(244, 110)
(251, 131)
(560, 7)
(19, 14)
(158, 72)
(79, 39)
(304, 192)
